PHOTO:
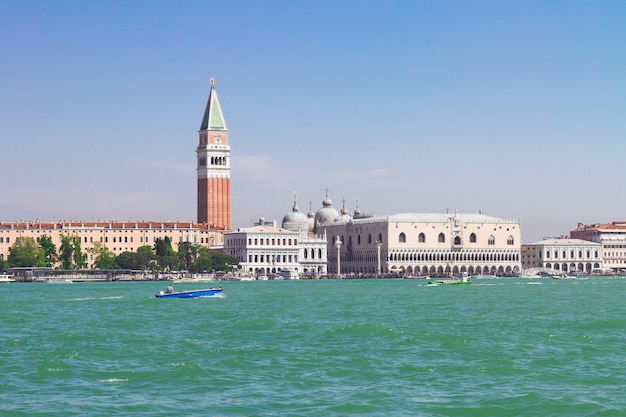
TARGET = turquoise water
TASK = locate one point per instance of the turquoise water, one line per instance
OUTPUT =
(500, 347)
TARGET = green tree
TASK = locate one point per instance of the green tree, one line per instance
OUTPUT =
(185, 254)
(170, 262)
(104, 258)
(141, 260)
(49, 250)
(65, 252)
(223, 262)
(79, 257)
(3, 265)
(26, 252)
(201, 264)
(163, 247)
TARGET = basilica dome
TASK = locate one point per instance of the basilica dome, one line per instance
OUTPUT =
(344, 216)
(295, 220)
(327, 214)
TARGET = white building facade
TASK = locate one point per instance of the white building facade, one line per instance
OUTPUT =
(265, 250)
(564, 255)
(417, 244)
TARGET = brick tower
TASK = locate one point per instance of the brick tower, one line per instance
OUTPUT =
(213, 154)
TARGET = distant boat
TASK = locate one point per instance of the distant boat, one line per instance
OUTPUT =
(209, 292)
(463, 279)
(4, 278)
(448, 282)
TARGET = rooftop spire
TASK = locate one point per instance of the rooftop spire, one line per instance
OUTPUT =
(213, 118)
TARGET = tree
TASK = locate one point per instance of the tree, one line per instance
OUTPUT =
(3, 265)
(170, 262)
(80, 258)
(65, 252)
(70, 253)
(26, 252)
(223, 262)
(202, 263)
(49, 250)
(185, 254)
(140, 260)
(163, 247)
(104, 258)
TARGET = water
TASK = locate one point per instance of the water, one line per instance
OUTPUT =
(500, 347)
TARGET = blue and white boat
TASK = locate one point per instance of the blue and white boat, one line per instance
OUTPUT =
(208, 292)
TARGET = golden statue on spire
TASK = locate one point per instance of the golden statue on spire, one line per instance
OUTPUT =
(212, 81)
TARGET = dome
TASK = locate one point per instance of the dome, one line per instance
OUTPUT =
(327, 214)
(344, 216)
(295, 220)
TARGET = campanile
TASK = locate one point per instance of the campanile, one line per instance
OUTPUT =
(213, 155)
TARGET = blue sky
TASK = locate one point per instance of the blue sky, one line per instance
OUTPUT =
(515, 108)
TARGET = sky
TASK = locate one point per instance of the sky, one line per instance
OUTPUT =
(513, 108)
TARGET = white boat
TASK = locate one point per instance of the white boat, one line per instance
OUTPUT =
(5, 278)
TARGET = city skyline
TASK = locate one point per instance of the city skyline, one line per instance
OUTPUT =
(515, 110)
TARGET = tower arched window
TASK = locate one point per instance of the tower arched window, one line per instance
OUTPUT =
(473, 238)
(441, 238)
(402, 238)
(421, 238)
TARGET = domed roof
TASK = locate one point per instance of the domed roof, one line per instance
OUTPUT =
(344, 216)
(295, 220)
(327, 214)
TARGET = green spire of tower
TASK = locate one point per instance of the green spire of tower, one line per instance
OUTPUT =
(213, 119)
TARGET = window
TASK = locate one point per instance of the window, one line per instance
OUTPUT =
(492, 240)
(457, 240)
(369, 239)
(402, 238)
(510, 240)
(473, 238)
(421, 238)
(441, 238)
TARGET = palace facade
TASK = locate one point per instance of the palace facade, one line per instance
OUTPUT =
(564, 255)
(424, 244)
(412, 243)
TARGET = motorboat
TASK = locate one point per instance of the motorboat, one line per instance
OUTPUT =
(208, 292)
(5, 278)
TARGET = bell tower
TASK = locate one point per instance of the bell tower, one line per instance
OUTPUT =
(213, 166)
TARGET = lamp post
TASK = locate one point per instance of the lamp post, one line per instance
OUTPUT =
(378, 245)
(338, 243)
